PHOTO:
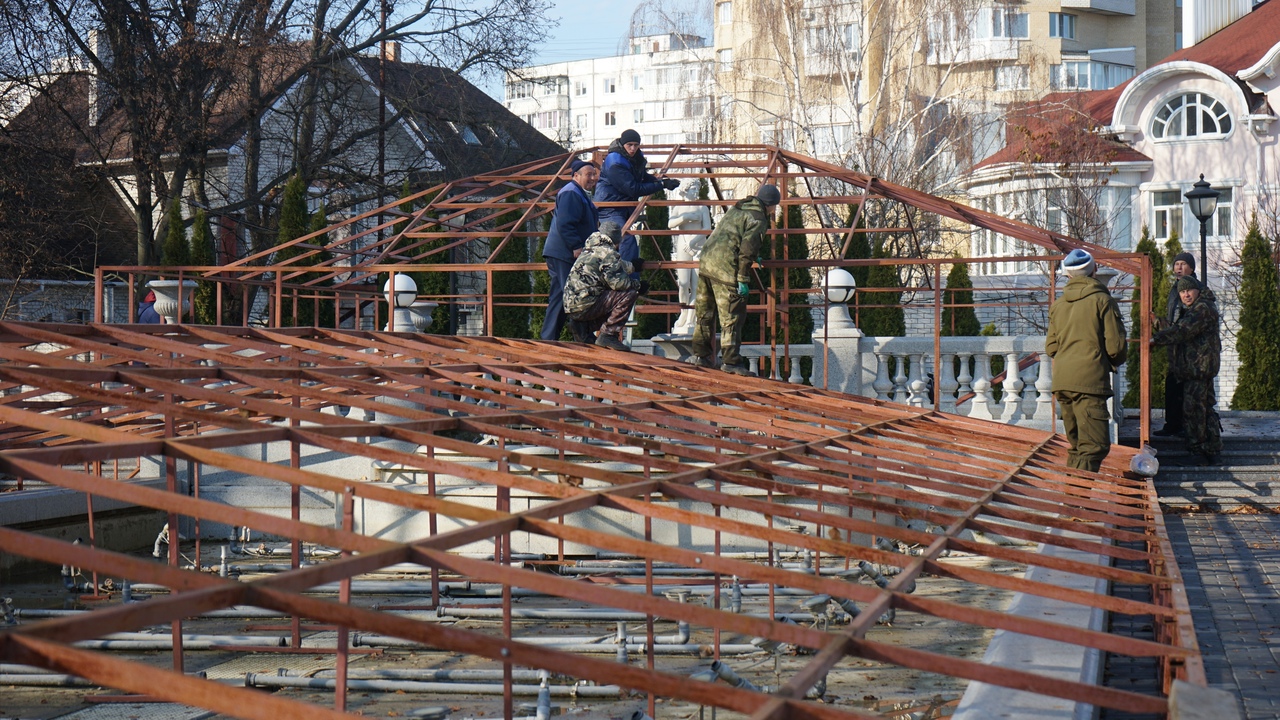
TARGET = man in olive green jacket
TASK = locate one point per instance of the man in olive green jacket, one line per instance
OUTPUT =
(723, 273)
(1087, 343)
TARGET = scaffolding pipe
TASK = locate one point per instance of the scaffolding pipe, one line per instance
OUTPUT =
(362, 640)
(442, 688)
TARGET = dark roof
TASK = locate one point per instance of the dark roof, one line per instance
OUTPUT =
(443, 105)
(466, 129)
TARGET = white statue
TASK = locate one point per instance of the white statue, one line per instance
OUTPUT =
(688, 218)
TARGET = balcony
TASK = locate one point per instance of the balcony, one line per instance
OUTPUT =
(1102, 7)
(975, 51)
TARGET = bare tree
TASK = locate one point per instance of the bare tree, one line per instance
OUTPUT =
(168, 78)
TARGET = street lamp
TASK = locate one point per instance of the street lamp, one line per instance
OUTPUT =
(400, 300)
(839, 287)
(1203, 201)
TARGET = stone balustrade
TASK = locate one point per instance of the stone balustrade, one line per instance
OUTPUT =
(903, 370)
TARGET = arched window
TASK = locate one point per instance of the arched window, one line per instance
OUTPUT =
(1191, 115)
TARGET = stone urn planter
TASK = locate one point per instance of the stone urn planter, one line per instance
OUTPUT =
(167, 292)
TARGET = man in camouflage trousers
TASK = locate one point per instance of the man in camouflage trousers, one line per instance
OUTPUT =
(723, 273)
(600, 291)
(1194, 359)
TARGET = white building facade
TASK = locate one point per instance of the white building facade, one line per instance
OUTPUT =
(662, 89)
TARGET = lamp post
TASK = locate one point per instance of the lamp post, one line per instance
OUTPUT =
(839, 287)
(400, 300)
(1203, 201)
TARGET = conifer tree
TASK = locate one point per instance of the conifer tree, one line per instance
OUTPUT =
(880, 311)
(1159, 354)
(320, 221)
(176, 251)
(859, 249)
(959, 318)
(662, 284)
(1258, 342)
(294, 222)
(511, 289)
(205, 301)
(542, 286)
(799, 319)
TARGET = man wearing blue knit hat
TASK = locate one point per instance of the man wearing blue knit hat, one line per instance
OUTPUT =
(1086, 340)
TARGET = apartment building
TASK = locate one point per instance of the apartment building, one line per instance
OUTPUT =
(821, 75)
(663, 88)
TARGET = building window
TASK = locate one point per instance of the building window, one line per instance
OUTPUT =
(610, 85)
(725, 59)
(582, 122)
(833, 42)
(637, 82)
(579, 88)
(518, 90)
(1006, 22)
(1085, 75)
(724, 12)
(1062, 25)
(1191, 115)
(1220, 225)
(831, 140)
(1011, 77)
(611, 118)
(1166, 208)
(637, 115)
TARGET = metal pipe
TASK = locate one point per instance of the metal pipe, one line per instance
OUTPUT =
(426, 675)
(726, 673)
(369, 587)
(46, 680)
(442, 688)
(363, 640)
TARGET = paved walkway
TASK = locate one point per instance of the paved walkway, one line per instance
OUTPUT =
(1231, 567)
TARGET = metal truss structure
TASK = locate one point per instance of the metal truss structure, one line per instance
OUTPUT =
(582, 431)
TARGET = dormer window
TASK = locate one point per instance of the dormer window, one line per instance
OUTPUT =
(1191, 115)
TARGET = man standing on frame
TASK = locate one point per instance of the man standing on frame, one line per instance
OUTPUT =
(1087, 342)
(575, 219)
(723, 276)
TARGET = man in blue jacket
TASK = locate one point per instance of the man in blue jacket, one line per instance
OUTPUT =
(625, 178)
(575, 219)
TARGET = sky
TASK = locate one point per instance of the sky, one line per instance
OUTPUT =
(588, 28)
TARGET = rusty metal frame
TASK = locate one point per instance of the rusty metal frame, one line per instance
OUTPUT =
(687, 434)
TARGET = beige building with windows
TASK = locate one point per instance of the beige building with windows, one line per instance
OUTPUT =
(817, 75)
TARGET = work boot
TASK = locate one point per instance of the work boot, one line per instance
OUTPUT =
(700, 361)
(737, 370)
(1207, 459)
(581, 332)
(612, 342)
(1168, 431)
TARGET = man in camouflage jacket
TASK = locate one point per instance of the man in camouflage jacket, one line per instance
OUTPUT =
(723, 273)
(600, 291)
(1194, 359)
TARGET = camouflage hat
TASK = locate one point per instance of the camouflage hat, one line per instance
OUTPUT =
(1188, 283)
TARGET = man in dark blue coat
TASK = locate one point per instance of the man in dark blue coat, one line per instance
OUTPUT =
(575, 219)
(625, 178)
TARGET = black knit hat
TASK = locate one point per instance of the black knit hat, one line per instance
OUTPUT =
(769, 195)
(629, 136)
(1187, 258)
